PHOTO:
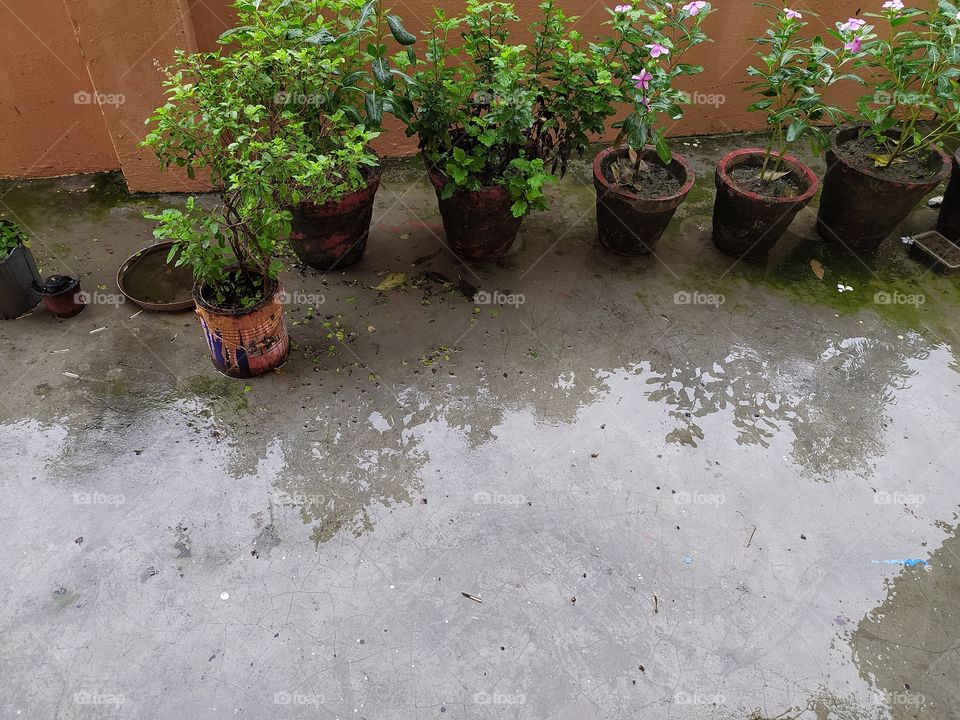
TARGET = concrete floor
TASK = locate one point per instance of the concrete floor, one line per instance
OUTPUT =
(738, 510)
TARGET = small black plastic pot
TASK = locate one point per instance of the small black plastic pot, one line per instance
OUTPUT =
(62, 295)
(18, 274)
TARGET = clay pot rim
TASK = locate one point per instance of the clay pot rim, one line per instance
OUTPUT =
(937, 178)
(723, 168)
(665, 199)
(437, 176)
(274, 289)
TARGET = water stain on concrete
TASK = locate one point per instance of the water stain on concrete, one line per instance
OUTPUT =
(604, 439)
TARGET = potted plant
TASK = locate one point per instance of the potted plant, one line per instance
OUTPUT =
(230, 247)
(640, 185)
(761, 190)
(496, 122)
(296, 92)
(877, 170)
(18, 272)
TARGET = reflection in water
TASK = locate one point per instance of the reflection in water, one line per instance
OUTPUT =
(834, 403)
(341, 461)
(342, 475)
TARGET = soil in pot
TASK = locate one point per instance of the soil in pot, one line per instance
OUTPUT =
(635, 205)
(244, 340)
(656, 181)
(334, 235)
(914, 168)
(754, 207)
(748, 177)
(861, 204)
(480, 225)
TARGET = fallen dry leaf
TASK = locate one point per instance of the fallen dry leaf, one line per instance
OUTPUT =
(817, 268)
(770, 175)
(391, 281)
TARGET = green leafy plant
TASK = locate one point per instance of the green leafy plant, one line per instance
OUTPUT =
(491, 113)
(11, 237)
(915, 103)
(282, 113)
(790, 85)
(644, 52)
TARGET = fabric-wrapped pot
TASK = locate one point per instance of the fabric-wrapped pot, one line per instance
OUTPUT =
(245, 342)
(747, 224)
(628, 223)
(334, 235)
(859, 207)
(479, 225)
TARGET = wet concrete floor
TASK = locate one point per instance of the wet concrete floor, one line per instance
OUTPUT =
(680, 487)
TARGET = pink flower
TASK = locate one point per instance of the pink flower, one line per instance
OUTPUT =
(656, 50)
(669, 7)
(693, 8)
(854, 45)
(646, 102)
(623, 8)
(643, 80)
(893, 5)
(852, 25)
(791, 14)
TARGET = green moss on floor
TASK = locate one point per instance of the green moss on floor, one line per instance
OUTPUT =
(893, 285)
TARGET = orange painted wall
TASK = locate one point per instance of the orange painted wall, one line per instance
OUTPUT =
(38, 78)
(48, 122)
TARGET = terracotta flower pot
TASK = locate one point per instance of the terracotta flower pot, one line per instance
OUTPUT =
(859, 207)
(479, 225)
(630, 224)
(747, 224)
(62, 295)
(245, 342)
(334, 235)
(18, 274)
(949, 222)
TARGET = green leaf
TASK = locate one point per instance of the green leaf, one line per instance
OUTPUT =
(323, 37)
(400, 34)
(381, 70)
(374, 105)
(663, 150)
(795, 130)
